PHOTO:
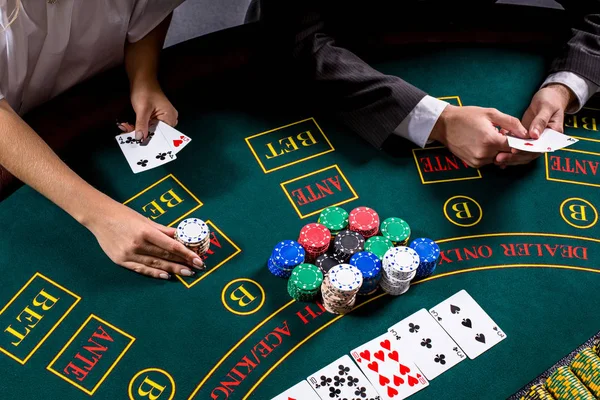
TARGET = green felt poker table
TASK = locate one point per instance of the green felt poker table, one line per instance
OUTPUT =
(524, 241)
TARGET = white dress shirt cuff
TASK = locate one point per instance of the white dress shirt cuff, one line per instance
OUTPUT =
(418, 124)
(583, 88)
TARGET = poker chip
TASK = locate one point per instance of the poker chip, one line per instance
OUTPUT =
(305, 282)
(399, 267)
(346, 243)
(315, 238)
(334, 218)
(396, 230)
(364, 220)
(194, 233)
(596, 346)
(340, 287)
(286, 255)
(327, 261)
(586, 366)
(378, 245)
(564, 384)
(537, 392)
(428, 252)
(369, 266)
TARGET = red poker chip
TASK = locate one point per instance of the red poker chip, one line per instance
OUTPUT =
(315, 235)
(363, 219)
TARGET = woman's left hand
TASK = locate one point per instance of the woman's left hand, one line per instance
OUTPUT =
(150, 106)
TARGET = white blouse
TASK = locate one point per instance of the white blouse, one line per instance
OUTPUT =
(51, 47)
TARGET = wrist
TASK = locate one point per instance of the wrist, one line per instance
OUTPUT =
(145, 85)
(91, 216)
(438, 133)
(566, 95)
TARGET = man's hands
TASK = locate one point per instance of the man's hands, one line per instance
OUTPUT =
(136, 243)
(471, 134)
(546, 110)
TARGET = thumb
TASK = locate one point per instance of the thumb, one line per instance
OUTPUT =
(508, 122)
(540, 122)
(142, 119)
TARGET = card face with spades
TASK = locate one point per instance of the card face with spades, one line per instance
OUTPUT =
(426, 342)
(468, 324)
(144, 155)
(394, 375)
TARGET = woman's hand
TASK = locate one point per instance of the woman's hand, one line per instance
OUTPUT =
(150, 106)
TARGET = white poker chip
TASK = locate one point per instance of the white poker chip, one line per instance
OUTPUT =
(401, 258)
(192, 231)
(345, 277)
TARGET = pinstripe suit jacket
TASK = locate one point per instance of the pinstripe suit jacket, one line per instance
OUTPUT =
(373, 104)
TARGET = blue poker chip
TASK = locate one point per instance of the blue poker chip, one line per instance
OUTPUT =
(367, 263)
(277, 271)
(427, 249)
(288, 253)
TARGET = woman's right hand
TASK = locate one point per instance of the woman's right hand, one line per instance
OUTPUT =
(133, 241)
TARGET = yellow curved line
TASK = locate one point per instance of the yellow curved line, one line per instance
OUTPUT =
(557, 235)
(218, 364)
(286, 355)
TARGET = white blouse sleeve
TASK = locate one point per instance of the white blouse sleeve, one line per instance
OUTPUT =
(146, 15)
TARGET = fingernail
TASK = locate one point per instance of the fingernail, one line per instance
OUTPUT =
(122, 128)
(165, 276)
(139, 135)
(535, 132)
(198, 263)
(187, 272)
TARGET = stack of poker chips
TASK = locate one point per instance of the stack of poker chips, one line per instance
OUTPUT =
(286, 255)
(596, 346)
(537, 392)
(428, 252)
(335, 219)
(396, 230)
(347, 243)
(194, 234)
(305, 282)
(315, 238)
(365, 221)
(378, 245)
(369, 266)
(339, 288)
(563, 384)
(327, 261)
(399, 266)
(586, 366)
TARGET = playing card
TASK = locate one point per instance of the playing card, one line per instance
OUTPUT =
(394, 375)
(151, 153)
(176, 139)
(427, 344)
(300, 391)
(342, 379)
(468, 324)
(550, 140)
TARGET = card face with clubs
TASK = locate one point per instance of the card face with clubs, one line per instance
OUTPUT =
(393, 374)
(145, 155)
(427, 343)
(342, 379)
(468, 324)
(550, 140)
(300, 391)
(176, 139)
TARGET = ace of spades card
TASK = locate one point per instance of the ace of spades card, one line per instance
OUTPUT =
(141, 156)
(394, 375)
(468, 324)
(425, 341)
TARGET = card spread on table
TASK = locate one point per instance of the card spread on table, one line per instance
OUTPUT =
(342, 379)
(467, 323)
(147, 154)
(300, 391)
(550, 140)
(393, 374)
(427, 344)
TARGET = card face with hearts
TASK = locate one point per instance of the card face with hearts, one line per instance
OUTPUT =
(342, 379)
(425, 341)
(142, 156)
(176, 139)
(394, 374)
(550, 140)
(300, 391)
(468, 324)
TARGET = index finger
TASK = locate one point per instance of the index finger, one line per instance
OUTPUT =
(174, 247)
(508, 122)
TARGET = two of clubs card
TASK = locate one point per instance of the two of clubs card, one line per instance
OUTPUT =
(161, 146)
(549, 141)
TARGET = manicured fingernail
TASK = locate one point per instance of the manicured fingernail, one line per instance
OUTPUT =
(187, 272)
(198, 263)
(122, 128)
(139, 135)
(165, 276)
(535, 132)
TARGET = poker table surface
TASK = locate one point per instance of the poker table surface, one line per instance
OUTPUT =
(523, 242)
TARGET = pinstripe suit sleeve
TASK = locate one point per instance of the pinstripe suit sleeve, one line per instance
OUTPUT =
(581, 52)
(367, 101)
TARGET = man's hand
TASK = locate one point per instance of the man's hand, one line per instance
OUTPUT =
(547, 110)
(471, 134)
(136, 243)
(151, 105)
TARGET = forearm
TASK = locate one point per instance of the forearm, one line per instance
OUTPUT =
(141, 57)
(30, 159)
